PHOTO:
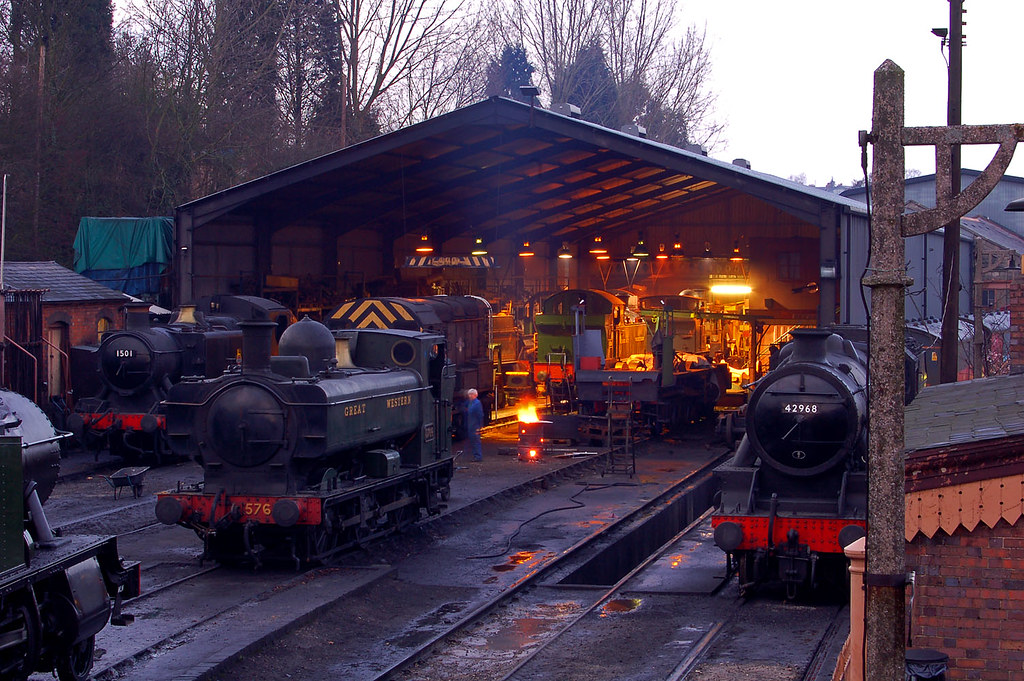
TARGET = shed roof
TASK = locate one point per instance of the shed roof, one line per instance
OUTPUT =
(500, 166)
(60, 284)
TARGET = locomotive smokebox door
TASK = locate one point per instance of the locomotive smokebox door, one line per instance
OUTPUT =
(381, 463)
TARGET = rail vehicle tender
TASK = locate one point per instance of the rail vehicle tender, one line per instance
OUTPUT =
(795, 493)
(340, 438)
(137, 366)
(56, 592)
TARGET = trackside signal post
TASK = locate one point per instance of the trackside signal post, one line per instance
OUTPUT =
(885, 575)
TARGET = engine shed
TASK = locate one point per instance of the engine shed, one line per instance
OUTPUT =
(508, 201)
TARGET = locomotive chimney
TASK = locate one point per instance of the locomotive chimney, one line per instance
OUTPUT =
(809, 345)
(136, 316)
(257, 341)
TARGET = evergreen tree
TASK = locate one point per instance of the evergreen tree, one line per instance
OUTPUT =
(506, 75)
(588, 84)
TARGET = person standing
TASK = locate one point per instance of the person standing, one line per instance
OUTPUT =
(474, 421)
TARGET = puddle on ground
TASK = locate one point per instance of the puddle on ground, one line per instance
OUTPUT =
(618, 605)
(514, 561)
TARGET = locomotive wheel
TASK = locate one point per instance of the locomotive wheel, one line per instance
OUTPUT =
(21, 659)
(76, 664)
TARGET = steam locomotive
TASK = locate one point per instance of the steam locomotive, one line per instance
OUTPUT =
(795, 493)
(56, 592)
(340, 438)
(465, 321)
(137, 367)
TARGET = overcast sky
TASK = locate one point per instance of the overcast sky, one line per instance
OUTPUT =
(794, 79)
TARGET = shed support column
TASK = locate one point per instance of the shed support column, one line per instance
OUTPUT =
(885, 645)
(263, 257)
(183, 255)
(828, 256)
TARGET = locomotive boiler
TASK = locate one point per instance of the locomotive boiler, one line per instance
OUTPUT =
(56, 592)
(340, 438)
(137, 367)
(795, 493)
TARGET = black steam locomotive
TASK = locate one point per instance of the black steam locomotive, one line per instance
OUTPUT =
(465, 321)
(137, 366)
(340, 438)
(795, 494)
(56, 592)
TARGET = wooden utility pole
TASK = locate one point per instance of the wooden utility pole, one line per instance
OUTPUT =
(884, 579)
(949, 351)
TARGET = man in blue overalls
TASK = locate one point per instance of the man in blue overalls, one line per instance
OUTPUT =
(474, 420)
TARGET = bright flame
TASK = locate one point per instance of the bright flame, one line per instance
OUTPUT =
(528, 414)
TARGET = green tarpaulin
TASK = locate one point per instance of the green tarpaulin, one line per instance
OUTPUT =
(123, 243)
(125, 254)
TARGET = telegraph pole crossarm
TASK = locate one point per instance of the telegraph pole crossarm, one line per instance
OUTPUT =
(885, 576)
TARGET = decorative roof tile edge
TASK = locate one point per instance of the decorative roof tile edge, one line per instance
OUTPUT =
(964, 505)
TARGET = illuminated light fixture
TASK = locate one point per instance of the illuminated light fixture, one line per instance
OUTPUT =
(640, 250)
(677, 246)
(603, 256)
(730, 289)
(424, 245)
(478, 247)
(564, 253)
(707, 249)
(632, 257)
(526, 251)
(662, 254)
(598, 247)
(736, 255)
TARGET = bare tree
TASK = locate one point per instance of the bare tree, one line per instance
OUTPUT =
(660, 76)
(400, 56)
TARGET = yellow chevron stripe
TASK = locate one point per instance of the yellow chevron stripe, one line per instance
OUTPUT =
(342, 311)
(371, 321)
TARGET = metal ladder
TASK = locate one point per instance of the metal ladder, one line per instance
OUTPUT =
(621, 453)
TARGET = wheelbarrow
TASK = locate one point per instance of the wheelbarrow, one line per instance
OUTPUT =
(127, 477)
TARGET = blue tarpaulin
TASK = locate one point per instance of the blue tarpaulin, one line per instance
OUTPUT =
(125, 254)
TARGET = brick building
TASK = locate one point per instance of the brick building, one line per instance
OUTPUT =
(75, 311)
(965, 536)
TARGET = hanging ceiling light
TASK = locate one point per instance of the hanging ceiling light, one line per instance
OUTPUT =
(736, 255)
(707, 250)
(662, 254)
(526, 251)
(598, 248)
(564, 253)
(478, 247)
(677, 247)
(640, 250)
(424, 245)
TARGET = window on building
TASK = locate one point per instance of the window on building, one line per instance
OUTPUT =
(788, 266)
(103, 324)
(988, 297)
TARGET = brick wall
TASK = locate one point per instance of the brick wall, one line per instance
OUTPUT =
(1016, 296)
(969, 600)
(82, 319)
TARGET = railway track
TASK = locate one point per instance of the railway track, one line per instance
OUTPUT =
(476, 645)
(684, 630)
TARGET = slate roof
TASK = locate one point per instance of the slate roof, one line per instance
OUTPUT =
(61, 284)
(965, 412)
